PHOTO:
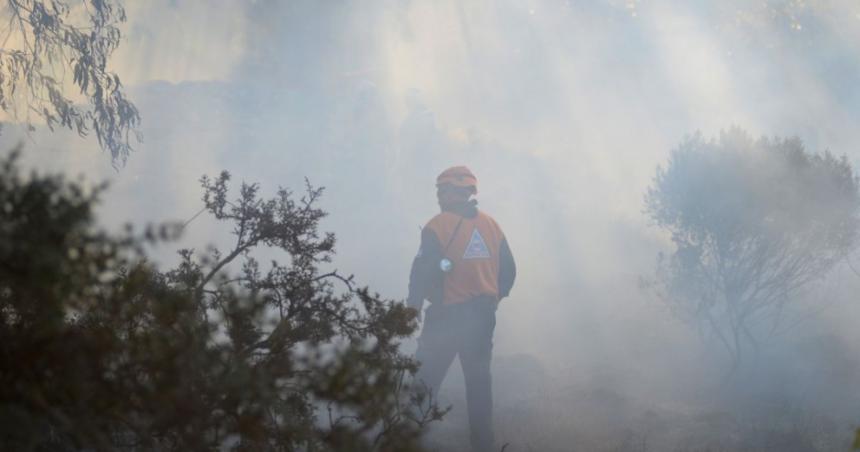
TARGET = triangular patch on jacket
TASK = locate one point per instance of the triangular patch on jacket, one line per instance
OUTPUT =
(477, 248)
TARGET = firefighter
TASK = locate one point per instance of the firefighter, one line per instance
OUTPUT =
(464, 267)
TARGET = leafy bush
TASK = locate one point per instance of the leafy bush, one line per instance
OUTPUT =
(752, 222)
(101, 350)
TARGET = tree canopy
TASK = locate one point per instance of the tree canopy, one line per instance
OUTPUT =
(752, 222)
(101, 350)
(52, 48)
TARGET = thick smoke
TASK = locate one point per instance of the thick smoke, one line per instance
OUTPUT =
(563, 110)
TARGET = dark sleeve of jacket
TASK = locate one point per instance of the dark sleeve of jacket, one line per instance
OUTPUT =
(507, 270)
(425, 278)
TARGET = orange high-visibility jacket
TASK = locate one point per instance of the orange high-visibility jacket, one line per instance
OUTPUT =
(476, 246)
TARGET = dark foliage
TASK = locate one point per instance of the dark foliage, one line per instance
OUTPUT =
(752, 222)
(100, 350)
(50, 45)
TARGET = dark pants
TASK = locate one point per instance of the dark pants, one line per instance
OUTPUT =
(466, 330)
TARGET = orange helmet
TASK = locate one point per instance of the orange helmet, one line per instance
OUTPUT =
(458, 176)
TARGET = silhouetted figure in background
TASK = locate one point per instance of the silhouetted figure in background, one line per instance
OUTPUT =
(464, 267)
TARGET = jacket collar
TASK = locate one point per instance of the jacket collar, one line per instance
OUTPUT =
(467, 209)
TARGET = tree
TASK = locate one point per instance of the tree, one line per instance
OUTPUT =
(53, 47)
(752, 222)
(100, 350)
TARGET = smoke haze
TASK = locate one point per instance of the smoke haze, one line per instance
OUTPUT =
(563, 110)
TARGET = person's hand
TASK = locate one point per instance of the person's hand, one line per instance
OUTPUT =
(416, 306)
